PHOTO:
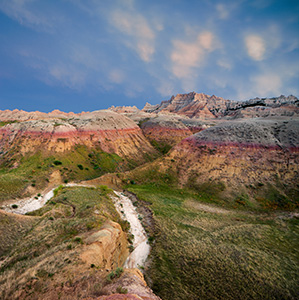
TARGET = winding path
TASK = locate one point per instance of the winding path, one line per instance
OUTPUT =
(122, 204)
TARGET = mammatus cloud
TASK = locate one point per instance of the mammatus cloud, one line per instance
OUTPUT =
(187, 56)
(255, 46)
(138, 29)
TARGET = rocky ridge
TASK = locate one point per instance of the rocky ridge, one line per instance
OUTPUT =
(199, 105)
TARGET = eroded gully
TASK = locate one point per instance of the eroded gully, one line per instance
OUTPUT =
(122, 204)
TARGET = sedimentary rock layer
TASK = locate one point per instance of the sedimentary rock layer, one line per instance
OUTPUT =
(202, 106)
(107, 130)
(165, 129)
(241, 152)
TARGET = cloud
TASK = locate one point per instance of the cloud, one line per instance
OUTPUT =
(267, 84)
(138, 28)
(224, 64)
(187, 56)
(165, 88)
(26, 13)
(255, 46)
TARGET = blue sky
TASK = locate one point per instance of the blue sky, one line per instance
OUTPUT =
(84, 55)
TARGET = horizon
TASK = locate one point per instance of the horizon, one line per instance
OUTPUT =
(140, 108)
(85, 55)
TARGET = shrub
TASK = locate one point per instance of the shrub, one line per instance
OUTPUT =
(57, 162)
(57, 190)
(115, 274)
(121, 290)
(78, 240)
(80, 166)
(14, 206)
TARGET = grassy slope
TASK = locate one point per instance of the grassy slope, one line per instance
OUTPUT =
(47, 255)
(12, 228)
(35, 170)
(212, 255)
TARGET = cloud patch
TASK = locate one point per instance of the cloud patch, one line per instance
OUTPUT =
(138, 28)
(256, 47)
(187, 56)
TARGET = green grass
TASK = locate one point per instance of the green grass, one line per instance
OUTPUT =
(204, 255)
(3, 123)
(48, 244)
(35, 169)
(161, 146)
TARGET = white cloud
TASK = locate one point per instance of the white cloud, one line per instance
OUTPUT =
(26, 13)
(267, 84)
(186, 56)
(270, 81)
(138, 28)
(255, 47)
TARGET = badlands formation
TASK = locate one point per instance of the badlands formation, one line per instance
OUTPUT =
(242, 155)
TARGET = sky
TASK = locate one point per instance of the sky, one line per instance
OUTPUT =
(85, 55)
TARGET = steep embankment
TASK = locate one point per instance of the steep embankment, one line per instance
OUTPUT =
(252, 156)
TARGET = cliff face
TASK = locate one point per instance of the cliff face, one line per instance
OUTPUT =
(111, 132)
(191, 105)
(106, 248)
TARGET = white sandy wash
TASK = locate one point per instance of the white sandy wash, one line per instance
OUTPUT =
(122, 204)
(30, 204)
(128, 212)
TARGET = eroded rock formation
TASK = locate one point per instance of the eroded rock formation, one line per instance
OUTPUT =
(111, 132)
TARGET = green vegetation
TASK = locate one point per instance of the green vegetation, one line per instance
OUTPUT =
(161, 146)
(18, 172)
(48, 242)
(115, 274)
(3, 123)
(215, 253)
(121, 290)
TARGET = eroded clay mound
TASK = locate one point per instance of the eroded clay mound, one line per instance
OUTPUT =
(107, 130)
(164, 128)
(252, 132)
(241, 153)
